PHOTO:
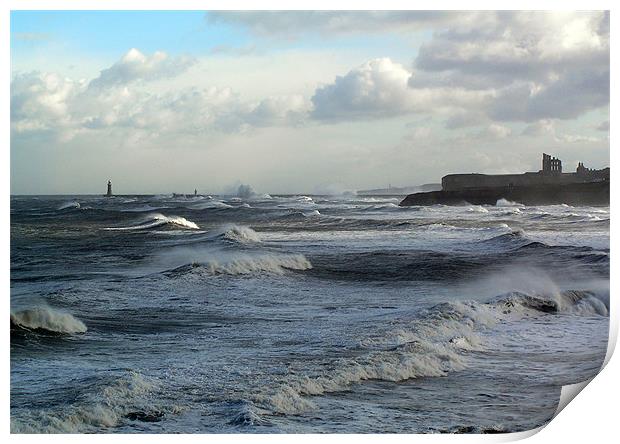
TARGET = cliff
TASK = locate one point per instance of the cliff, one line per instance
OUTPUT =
(593, 193)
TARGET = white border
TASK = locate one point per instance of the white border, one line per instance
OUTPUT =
(591, 417)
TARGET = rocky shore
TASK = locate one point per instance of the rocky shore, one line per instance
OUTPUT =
(593, 193)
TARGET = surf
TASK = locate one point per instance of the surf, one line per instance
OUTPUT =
(158, 220)
(47, 320)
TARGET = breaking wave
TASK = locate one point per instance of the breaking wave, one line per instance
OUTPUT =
(157, 220)
(213, 205)
(70, 204)
(107, 404)
(223, 262)
(239, 233)
(477, 209)
(46, 319)
(507, 203)
(435, 343)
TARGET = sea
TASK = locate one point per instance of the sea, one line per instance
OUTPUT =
(300, 313)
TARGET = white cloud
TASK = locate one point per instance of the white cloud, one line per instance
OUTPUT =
(537, 64)
(377, 88)
(540, 128)
(39, 101)
(64, 107)
(134, 66)
(485, 67)
(295, 23)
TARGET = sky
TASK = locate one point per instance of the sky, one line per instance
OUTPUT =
(300, 101)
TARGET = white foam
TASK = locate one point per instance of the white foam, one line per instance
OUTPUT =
(156, 220)
(313, 213)
(477, 209)
(46, 318)
(507, 203)
(217, 261)
(215, 205)
(247, 264)
(71, 204)
(240, 233)
(434, 344)
(101, 409)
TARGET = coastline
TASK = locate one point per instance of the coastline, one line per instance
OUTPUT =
(592, 193)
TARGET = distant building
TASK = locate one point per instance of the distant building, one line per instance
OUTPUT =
(550, 174)
(551, 165)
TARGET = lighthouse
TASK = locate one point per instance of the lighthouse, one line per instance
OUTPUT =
(109, 193)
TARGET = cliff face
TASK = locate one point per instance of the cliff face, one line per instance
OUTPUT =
(594, 193)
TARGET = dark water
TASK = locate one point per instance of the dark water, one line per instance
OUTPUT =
(300, 314)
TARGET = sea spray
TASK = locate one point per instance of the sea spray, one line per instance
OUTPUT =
(157, 220)
(219, 261)
(47, 319)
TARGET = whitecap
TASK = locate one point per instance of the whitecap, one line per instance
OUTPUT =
(48, 319)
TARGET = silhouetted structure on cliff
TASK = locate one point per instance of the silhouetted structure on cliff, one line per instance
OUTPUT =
(550, 174)
(548, 186)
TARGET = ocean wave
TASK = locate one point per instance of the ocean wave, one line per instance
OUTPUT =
(142, 209)
(46, 319)
(513, 238)
(383, 207)
(435, 343)
(211, 205)
(107, 404)
(246, 413)
(213, 262)
(239, 233)
(507, 203)
(312, 213)
(157, 220)
(477, 209)
(70, 204)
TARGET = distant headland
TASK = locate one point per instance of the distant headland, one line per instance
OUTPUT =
(546, 187)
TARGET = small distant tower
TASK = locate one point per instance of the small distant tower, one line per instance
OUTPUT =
(195, 192)
(109, 193)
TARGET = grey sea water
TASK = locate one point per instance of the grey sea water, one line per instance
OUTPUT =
(300, 313)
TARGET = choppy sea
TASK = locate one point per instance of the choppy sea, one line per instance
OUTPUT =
(296, 314)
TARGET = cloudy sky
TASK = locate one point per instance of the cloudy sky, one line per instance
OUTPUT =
(300, 101)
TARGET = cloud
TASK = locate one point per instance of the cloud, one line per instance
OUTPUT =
(48, 102)
(540, 128)
(39, 101)
(538, 65)
(485, 67)
(295, 23)
(234, 50)
(31, 36)
(379, 89)
(134, 66)
(495, 131)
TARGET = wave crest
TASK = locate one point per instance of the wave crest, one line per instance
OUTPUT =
(113, 402)
(157, 220)
(47, 319)
(70, 204)
(435, 343)
(241, 234)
